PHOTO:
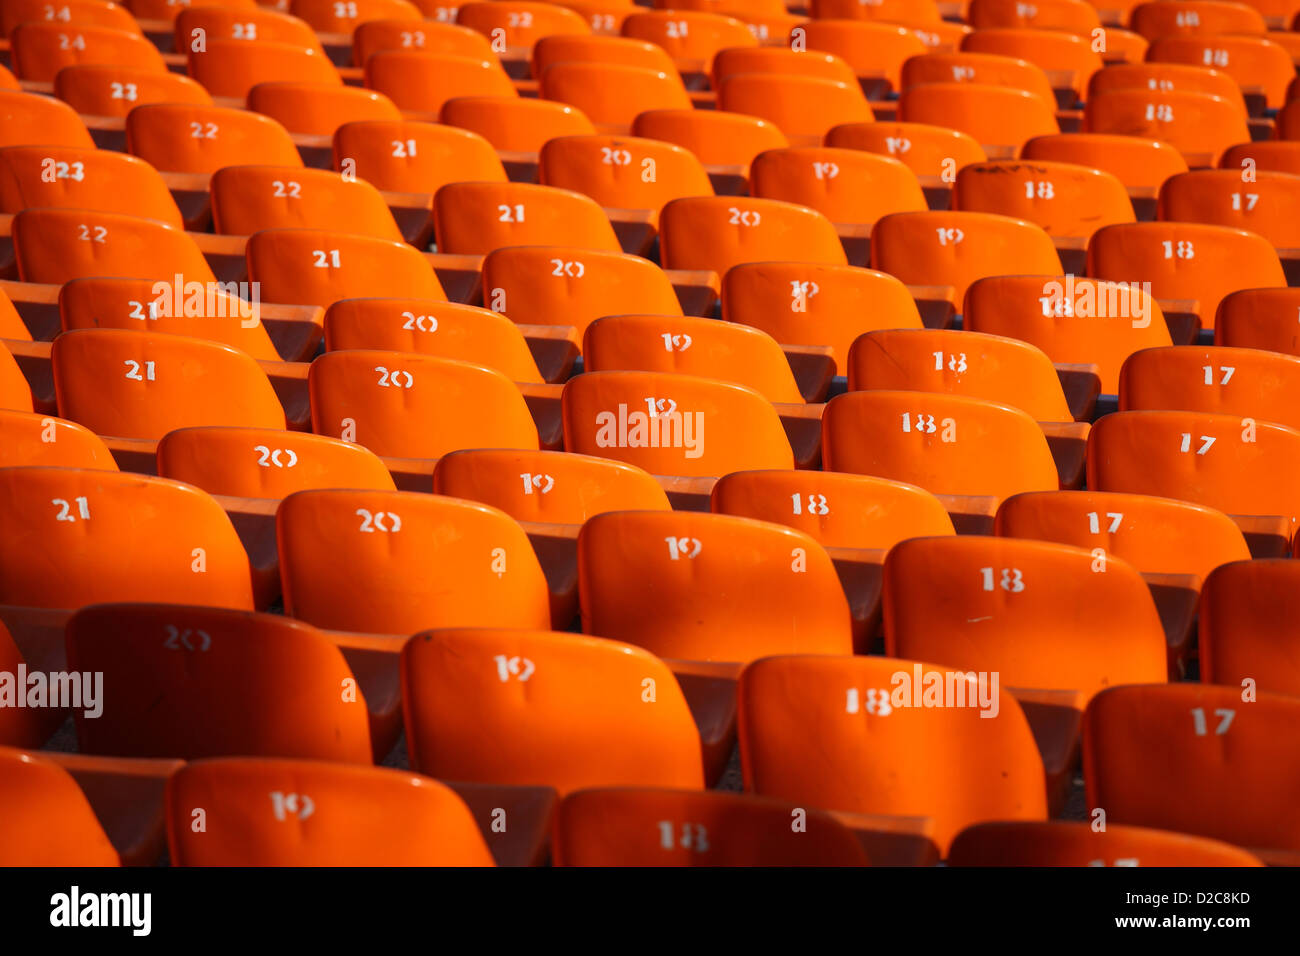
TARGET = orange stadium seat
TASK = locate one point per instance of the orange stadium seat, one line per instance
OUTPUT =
(344, 815)
(327, 16)
(247, 199)
(29, 119)
(956, 765)
(56, 245)
(662, 827)
(974, 364)
(319, 267)
(612, 95)
(318, 109)
(623, 172)
(1151, 758)
(957, 248)
(514, 123)
(804, 303)
(435, 562)
(562, 285)
(659, 422)
(375, 36)
(1217, 379)
(144, 305)
(99, 90)
(1156, 20)
(925, 149)
(992, 115)
(610, 50)
(1200, 125)
(553, 706)
(1268, 204)
(691, 37)
(90, 179)
(46, 819)
(424, 82)
(1259, 319)
(670, 582)
(556, 487)
(1253, 61)
(1135, 161)
(429, 327)
(1247, 626)
(143, 385)
(870, 49)
(946, 444)
(477, 218)
(416, 406)
(39, 49)
(72, 13)
(266, 463)
(1062, 198)
(31, 439)
(844, 185)
(1279, 156)
(718, 232)
(194, 26)
(520, 23)
(1236, 465)
(1185, 261)
(405, 156)
(231, 68)
(716, 138)
(115, 537)
(201, 682)
(202, 139)
(1073, 320)
(804, 108)
(690, 346)
(990, 69)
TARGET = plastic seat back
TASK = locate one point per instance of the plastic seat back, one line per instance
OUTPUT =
(1036, 612)
(845, 185)
(405, 156)
(1225, 381)
(1058, 843)
(552, 707)
(673, 424)
(612, 94)
(1268, 205)
(670, 582)
(78, 536)
(691, 346)
(1131, 159)
(837, 510)
(231, 68)
(58, 245)
(925, 149)
(318, 109)
(143, 385)
(30, 118)
(246, 199)
(800, 303)
(1154, 535)
(550, 487)
(1237, 466)
(476, 218)
(1073, 320)
(1247, 626)
(416, 406)
(424, 82)
(203, 139)
(99, 90)
(1157, 757)
(27, 438)
(993, 115)
(947, 444)
(148, 305)
(357, 816)
(321, 266)
(209, 682)
(396, 562)
(91, 179)
(515, 123)
(956, 765)
(804, 108)
(958, 248)
(45, 817)
(716, 137)
(1063, 199)
(426, 327)
(959, 363)
(264, 463)
(1197, 124)
(1185, 261)
(718, 232)
(1259, 319)
(39, 49)
(623, 172)
(644, 827)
